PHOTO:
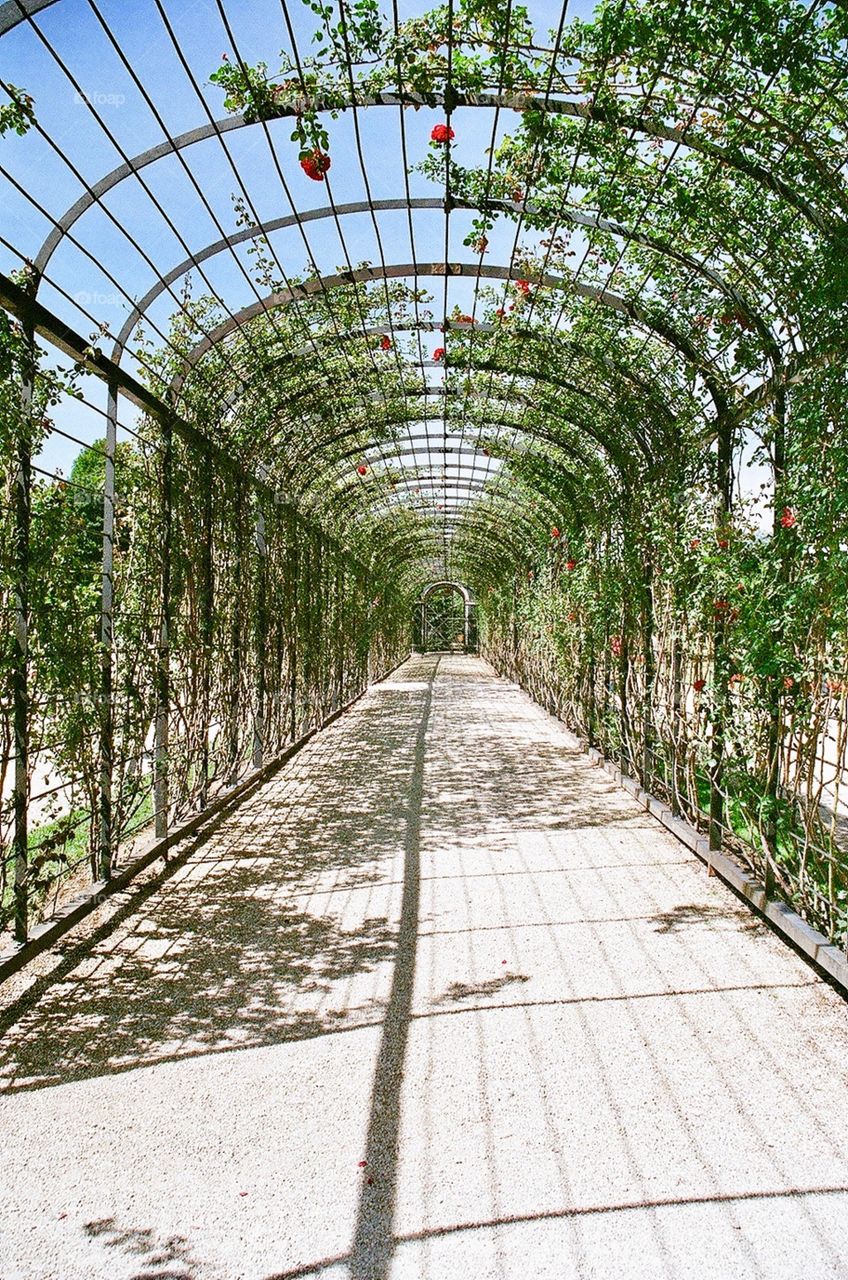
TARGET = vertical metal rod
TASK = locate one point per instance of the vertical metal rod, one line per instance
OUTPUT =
(292, 567)
(626, 755)
(338, 614)
(775, 722)
(237, 637)
(163, 674)
(721, 672)
(591, 712)
(107, 726)
(20, 674)
(261, 546)
(676, 717)
(206, 627)
(648, 658)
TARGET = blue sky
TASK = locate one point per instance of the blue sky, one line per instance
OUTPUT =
(78, 118)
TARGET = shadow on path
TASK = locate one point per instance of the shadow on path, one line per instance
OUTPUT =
(373, 1242)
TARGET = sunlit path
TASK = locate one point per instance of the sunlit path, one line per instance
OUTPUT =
(439, 942)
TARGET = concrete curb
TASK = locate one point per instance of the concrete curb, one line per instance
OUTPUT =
(43, 936)
(804, 937)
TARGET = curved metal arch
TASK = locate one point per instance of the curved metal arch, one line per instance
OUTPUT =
(457, 586)
(622, 371)
(589, 222)
(531, 334)
(498, 533)
(608, 443)
(518, 538)
(346, 502)
(570, 448)
(532, 375)
(398, 545)
(340, 500)
(395, 271)
(15, 11)
(587, 427)
(479, 529)
(341, 497)
(432, 481)
(615, 455)
(346, 497)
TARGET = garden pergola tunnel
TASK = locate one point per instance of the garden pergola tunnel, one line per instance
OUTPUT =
(543, 303)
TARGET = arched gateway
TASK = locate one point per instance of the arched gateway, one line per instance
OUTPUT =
(446, 619)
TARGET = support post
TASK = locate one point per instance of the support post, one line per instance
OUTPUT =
(106, 719)
(647, 768)
(591, 678)
(237, 638)
(721, 673)
(676, 719)
(163, 674)
(20, 674)
(261, 545)
(206, 628)
(775, 724)
(292, 571)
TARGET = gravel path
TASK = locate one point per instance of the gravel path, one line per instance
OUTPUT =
(439, 1002)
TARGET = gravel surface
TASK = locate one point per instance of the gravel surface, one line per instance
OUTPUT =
(438, 1002)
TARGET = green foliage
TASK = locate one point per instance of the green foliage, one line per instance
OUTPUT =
(18, 114)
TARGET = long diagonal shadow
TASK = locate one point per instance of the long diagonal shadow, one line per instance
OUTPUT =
(371, 1253)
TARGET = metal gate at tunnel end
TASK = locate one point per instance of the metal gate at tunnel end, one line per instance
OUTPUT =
(445, 620)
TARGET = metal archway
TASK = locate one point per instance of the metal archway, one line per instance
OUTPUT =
(437, 629)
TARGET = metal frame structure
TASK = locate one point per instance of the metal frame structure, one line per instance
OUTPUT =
(376, 477)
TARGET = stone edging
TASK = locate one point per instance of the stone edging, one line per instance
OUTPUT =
(812, 944)
(808, 940)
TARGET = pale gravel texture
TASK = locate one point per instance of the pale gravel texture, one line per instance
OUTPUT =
(439, 941)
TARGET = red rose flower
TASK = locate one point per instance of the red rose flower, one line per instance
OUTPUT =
(571, 565)
(439, 353)
(315, 165)
(385, 342)
(698, 684)
(788, 518)
(523, 286)
(442, 133)
(694, 544)
(554, 532)
(362, 469)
